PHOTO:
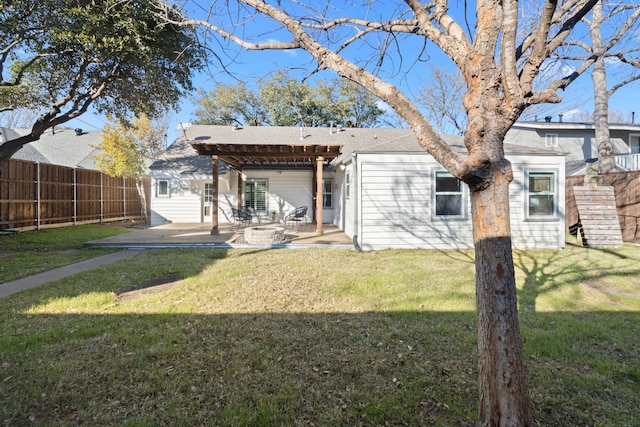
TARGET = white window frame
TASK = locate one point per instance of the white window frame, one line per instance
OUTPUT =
(434, 196)
(266, 195)
(207, 198)
(327, 182)
(347, 185)
(634, 149)
(551, 140)
(208, 192)
(554, 192)
(167, 192)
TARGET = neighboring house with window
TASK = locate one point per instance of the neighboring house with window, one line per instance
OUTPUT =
(378, 185)
(578, 141)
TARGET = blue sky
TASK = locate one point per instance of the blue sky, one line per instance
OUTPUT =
(248, 66)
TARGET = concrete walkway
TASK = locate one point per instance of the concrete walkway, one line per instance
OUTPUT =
(25, 283)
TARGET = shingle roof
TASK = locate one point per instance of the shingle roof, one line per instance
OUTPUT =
(63, 147)
(558, 125)
(180, 155)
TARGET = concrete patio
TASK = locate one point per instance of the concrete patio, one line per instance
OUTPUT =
(199, 235)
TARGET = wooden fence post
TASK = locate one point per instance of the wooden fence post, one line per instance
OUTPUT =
(38, 204)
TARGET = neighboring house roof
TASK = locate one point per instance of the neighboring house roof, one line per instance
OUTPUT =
(547, 126)
(180, 155)
(64, 147)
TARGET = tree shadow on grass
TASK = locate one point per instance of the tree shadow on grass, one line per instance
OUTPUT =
(118, 363)
(545, 275)
(371, 368)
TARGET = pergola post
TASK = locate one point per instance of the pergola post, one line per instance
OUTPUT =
(214, 196)
(239, 201)
(319, 198)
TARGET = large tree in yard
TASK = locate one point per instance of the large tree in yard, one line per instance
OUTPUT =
(286, 101)
(61, 57)
(500, 55)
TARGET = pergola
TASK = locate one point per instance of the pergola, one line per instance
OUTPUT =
(269, 156)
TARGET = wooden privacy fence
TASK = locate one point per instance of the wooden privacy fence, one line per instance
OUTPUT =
(36, 194)
(627, 192)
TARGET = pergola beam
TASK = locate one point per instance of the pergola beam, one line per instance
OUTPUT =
(269, 156)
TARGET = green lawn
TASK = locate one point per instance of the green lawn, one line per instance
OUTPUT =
(37, 251)
(315, 337)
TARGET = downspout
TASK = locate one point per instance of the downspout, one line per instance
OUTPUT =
(356, 206)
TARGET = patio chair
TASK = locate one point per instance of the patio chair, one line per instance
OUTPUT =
(254, 214)
(240, 218)
(296, 216)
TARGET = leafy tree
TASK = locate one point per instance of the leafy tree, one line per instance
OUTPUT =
(500, 60)
(63, 56)
(128, 149)
(230, 104)
(285, 101)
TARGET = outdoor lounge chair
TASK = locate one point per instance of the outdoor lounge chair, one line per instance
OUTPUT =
(240, 218)
(296, 216)
(254, 214)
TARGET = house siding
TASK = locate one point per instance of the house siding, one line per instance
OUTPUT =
(286, 190)
(183, 204)
(395, 205)
(534, 234)
(348, 201)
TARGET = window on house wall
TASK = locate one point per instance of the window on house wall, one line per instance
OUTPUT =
(255, 195)
(448, 195)
(347, 185)
(162, 188)
(327, 193)
(207, 198)
(551, 140)
(542, 194)
(634, 143)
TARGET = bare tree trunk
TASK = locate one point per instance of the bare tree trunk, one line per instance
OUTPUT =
(503, 396)
(143, 200)
(606, 162)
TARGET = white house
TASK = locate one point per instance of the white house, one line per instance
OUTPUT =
(377, 185)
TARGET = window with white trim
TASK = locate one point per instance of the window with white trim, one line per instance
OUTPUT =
(162, 188)
(347, 185)
(541, 194)
(327, 193)
(551, 140)
(255, 195)
(448, 195)
(207, 198)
